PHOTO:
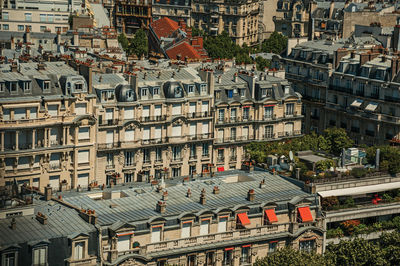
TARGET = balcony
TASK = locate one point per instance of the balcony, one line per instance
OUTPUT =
(268, 136)
(199, 115)
(24, 121)
(146, 161)
(54, 166)
(201, 136)
(289, 134)
(193, 157)
(341, 89)
(154, 141)
(234, 120)
(108, 122)
(217, 238)
(158, 118)
(392, 99)
(129, 165)
(103, 146)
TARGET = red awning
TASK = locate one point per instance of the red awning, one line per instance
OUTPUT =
(125, 234)
(305, 214)
(269, 105)
(220, 169)
(270, 213)
(246, 246)
(246, 106)
(244, 220)
(226, 249)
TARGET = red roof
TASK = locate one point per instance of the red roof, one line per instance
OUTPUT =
(270, 213)
(164, 27)
(305, 214)
(185, 50)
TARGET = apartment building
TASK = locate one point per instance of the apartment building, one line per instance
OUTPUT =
(363, 97)
(132, 15)
(309, 66)
(238, 18)
(175, 10)
(230, 219)
(251, 106)
(159, 120)
(38, 16)
(45, 232)
(47, 128)
(292, 18)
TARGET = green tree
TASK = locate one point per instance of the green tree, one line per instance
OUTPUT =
(123, 41)
(337, 139)
(262, 63)
(289, 256)
(390, 242)
(355, 252)
(139, 43)
(276, 43)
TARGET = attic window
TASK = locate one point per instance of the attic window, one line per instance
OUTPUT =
(203, 88)
(26, 85)
(156, 90)
(13, 87)
(190, 88)
(78, 86)
(144, 92)
(2, 85)
(46, 86)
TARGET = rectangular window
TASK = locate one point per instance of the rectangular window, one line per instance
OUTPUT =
(6, 27)
(39, 256)
(9, 259)
(43, 28)
(307, 245)
(28, 16)
(205, 149)
(186, 229)
(204, 227)
(83, 156)
(80, 109)
(272, 246)
(191, 88)
(245, 255)
(129, 158)
(156, 234)
(21, 28)
(176, 109)
(128, 114)
(222, 224)
(269, 132)
(83, 133)
(221, 115)
(78, 250)
(268, 112)
(5, 16)
(156, 90)
(42, 17)
(289, 109)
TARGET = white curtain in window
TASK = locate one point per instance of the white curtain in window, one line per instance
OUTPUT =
(146, 133)
(146, 111)
(80, 108)
(222, 224)
(157, 110)
(204, 227)
(176, 131)
(109, 114)
(204, 129)
(79, 250)
(176, 109)
(129, 113)
(129, 134)
(155, 234)
(192, 129)
(185, 232)
(83, 133)
(20, 113)
(83, 156)
(33, 113)
(123, 243)
(192, 108)
(83, 180)
(204, 106)
(157, 132)
(110, 137)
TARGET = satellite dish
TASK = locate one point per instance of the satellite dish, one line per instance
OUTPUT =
(291, 156)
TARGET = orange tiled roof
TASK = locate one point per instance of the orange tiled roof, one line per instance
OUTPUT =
(185, 50)
(164, 27)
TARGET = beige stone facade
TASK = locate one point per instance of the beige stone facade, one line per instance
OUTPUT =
(49, 137)
(239, 19)
(292, 18)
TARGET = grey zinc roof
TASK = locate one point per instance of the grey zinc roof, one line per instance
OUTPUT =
(139, 207)
(100, 15)
(180, 74)
(111, 80)
(62, 221)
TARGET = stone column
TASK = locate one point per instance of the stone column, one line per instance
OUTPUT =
(45, 140)
(33, 138)
(16, 139)
(2, 140)
(64, 136)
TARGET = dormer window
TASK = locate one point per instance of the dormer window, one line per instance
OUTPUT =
(144, 92)
(78, 87)
(40, 256)
(13, 87)
(203, 88)
(2, 86)
(230, 93)
(108, 95)
(46, 86)
(26, 86)
(156, 90)
(242, 93)
(190, 88)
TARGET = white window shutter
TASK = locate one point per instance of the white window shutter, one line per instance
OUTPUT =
(128, 114)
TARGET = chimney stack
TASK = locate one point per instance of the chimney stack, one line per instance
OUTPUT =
(250, 195)
(165, 195)
(161, 206)
(48, 192)
(219, 79)
(331, 8)
(216, 190)
(203, 197)
(41, 218)
(14, 67)
(13, 224)
(235, 77)
(188, 193)
(262, 184)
